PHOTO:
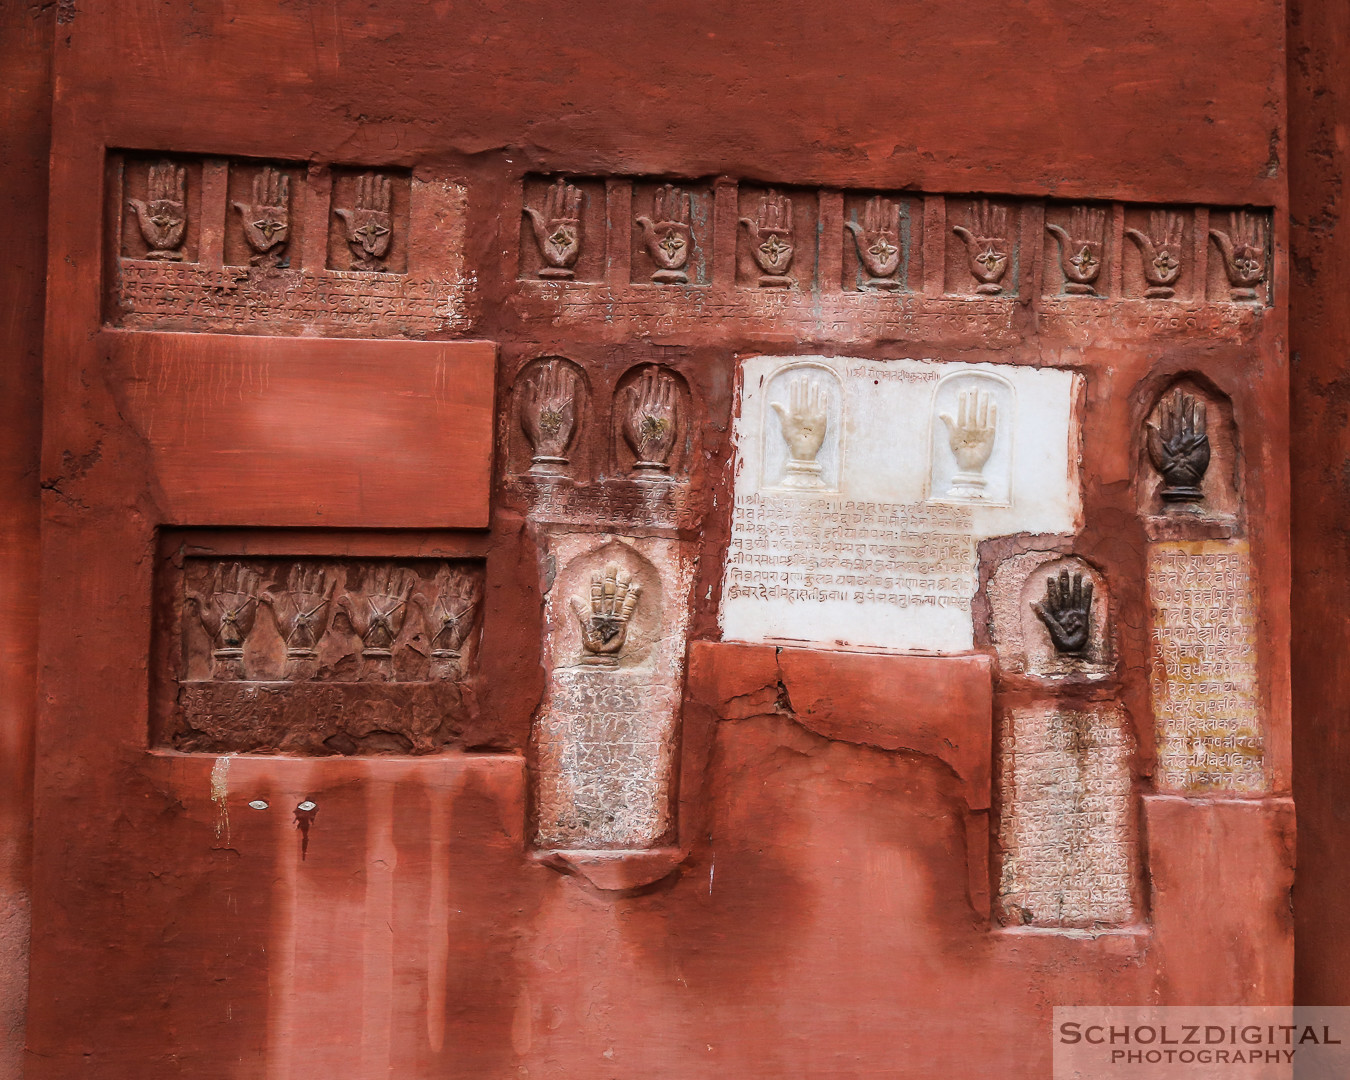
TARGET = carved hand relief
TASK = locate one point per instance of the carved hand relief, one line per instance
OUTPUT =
(266, 217)
(1050, 616)
(881, 554)
(368, 223)
(1243, 247)
(557, 229)
(1162, 251)
(1081, 248)
(771, 238)
(651, 420)
(1178, 447)
(877, 241)
(604, 621)
(162, 214)
(986, 236)
(670, 238)
(548, 413)
(320, 655)
(1066, 612)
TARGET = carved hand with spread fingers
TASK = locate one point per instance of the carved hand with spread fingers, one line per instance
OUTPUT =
(1161, 251)
(804, 421)
(1067, 612)
(548, 414)
(1178, 446)
(986, 240)
(378, 611)
(771, 235)
(163, 215)
(557, 230)
(650, 420)
(267, 217)
(971, 435)
(1244, 252)
(301, 610)
(669, 238)
(878, 241)
(227, 612)
(604, 623)
(369, 224)
(449, 615)
(1080, 248)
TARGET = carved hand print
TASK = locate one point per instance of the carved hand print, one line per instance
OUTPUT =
(1244, 252)
(163, 215)
(267, 217)
(971, 436)
(1179, 448)
(227, 613)
(878, 241)
(771, 234)
(548, 414)
(803, 421)
(986, 240)
(557, 231)
(368, 224)
(1080, 248)
(669, 238)
(378, 611)
(1067, 612)
(651, 420)
(448, 615)
(301, 610)
(604, 623)
(1161, 251)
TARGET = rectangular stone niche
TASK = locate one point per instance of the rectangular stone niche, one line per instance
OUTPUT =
(318, 655)
(863, 488)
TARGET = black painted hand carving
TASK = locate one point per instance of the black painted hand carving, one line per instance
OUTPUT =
(771, 234)
(449, 615)
(1067, 612)
(650, 420)
(804, 421)
(368, 224)
(163, 215)
(548, 414)
(378, 611)
(878, 241)
(1244, 252)
(557, 230)
(227, 613)
(301, 610)
(267, 217)
(604, 623)
(1080, 248)
(1179, 448)
(986, 241)
(669, 238)
(1161, 251)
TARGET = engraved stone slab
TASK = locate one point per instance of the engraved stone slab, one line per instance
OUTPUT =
(1065, 824)
(1203, 678)
(862, 489)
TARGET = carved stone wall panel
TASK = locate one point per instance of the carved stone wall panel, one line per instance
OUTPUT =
(1066, 821)
(652, 422)
(1190, 468)
(1047, 624)
(983, 247)
(318, 656)
(672, 233)
(158, 208)
(861, 493)
(261, 225)
(606, 735)
(1081, 257)
(1240, 254)
(1206, 705)
(563, 229)
(776, 243)
(553, 420)
(883, 242)
(368, 227)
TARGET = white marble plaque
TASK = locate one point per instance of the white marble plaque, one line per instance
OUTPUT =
(863, 487)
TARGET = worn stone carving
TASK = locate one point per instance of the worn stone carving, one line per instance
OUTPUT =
(669, 238)
(548, 414)
(1244, 252)
(1074, 598)
(378, 610)
(771, 235)
(604, 622)
(1066, 612)
(227, 611)
(986, 240)
(878, 241)
(162, 215)
(1178, 447)
(302, 610)
(1080, 248)
(970, 435)
(651, 421)
(1065, 825)
(267, 217)
(557, 229)
(803, 423)
(448, 612)
(369, 223)
(1161, 251)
